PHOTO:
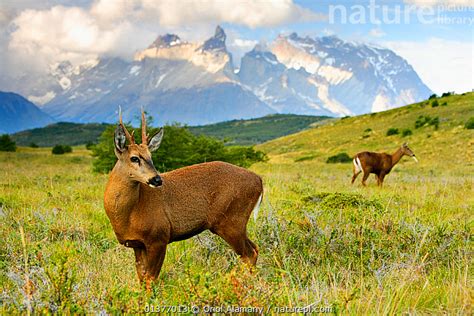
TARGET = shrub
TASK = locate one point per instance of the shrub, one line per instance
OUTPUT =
(444, 103)
(367, 133)
(61, 149)
(434, 104)
(339, 158)
(179, 148)
(470, 123)
(34, 145)
(392, 131)
(406, 132)
(6, 143)
(423, 120)
(433, 96)
(89, 145)
(447, 94)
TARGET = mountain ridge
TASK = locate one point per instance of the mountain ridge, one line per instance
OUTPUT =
(17, 113)
(196, 82)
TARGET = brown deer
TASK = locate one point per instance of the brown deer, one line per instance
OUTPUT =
(378, 163)
(149, 210)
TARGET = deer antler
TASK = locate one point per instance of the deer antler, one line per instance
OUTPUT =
(129, 137)
(144, 134)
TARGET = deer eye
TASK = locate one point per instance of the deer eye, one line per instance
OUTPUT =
(135, 159)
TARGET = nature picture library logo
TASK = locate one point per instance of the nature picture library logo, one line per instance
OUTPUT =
(420, 11)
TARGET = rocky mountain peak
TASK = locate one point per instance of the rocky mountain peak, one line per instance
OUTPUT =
(217, 42)
(166, 40)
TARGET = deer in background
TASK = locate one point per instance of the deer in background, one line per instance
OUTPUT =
(149, 210)
(378, 163)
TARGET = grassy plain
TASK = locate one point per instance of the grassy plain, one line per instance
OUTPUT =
(405, 248)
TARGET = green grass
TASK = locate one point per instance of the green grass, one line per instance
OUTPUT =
(405, 248)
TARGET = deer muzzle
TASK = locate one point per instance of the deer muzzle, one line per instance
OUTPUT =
(155, 182)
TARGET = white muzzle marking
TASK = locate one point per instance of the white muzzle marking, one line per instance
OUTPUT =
(415, 158)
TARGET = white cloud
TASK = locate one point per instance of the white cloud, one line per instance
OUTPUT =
(120, 27)
(443, 65)
(377, 32)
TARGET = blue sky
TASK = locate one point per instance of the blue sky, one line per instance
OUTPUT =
(436, 36)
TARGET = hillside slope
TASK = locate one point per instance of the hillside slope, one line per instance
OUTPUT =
(449, 147)
(61, 133)
(254, 131)
(236, 132)
(17, 113)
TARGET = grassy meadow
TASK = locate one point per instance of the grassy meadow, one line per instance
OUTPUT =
(403, 248)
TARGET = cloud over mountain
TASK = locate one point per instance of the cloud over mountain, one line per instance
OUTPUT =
(119, 28)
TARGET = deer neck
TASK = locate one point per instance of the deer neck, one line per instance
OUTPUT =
(121, 196)
(396, 156)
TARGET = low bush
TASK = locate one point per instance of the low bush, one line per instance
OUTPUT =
(406, 132)
(339, 158)
(426, 120)
(434, 104)
(367, 133)
(433, 96)
(61, 149)
(89, 145)
(392, 131)
(470, 123)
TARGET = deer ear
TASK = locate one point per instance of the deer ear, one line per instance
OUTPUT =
(119, 139)
(155, 141)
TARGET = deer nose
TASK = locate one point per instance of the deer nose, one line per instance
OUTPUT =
(155, 182)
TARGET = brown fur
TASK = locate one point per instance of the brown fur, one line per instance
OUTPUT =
(217, 196)
(379, 164)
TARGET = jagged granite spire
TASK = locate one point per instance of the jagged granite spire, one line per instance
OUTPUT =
(217, 42)
(166, 40)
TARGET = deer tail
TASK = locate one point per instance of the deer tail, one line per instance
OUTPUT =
(357, 164)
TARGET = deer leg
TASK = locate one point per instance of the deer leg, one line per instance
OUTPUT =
(241, 244)
(140, 263)
(366, 175)
(355, 176)
(380, 178)
(155, 255)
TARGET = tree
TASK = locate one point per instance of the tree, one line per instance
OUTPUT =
(178, 149)
(6, 143)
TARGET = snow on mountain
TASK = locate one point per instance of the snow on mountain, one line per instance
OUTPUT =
(346, 78)
(175, 80)
(196, 83)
